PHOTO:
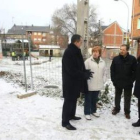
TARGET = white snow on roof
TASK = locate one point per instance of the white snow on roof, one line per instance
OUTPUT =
(25, 40)
(49, 47)
(10, 41)
(112, 47)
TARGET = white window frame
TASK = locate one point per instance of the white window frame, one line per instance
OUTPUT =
(39, 33)
(44, 39)
(44, 34)
(35, 39)
(35, 33)
(39, 39)
(138, 24)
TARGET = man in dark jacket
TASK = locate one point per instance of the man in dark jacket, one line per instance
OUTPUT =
(137, 91)
(123, 70)
(74, 76)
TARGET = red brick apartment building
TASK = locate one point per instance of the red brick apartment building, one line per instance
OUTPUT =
(113, 35)
(135, 25)
(40, 35)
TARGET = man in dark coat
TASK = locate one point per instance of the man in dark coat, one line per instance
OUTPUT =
(137, 91)
(123, 69)
(74, 76)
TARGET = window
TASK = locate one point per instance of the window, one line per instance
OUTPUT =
(39, 33)
(44, 34)
(44, 40)
(35, 39)
(35, 33)
(138, 24)
(39, 39)
(52, 36)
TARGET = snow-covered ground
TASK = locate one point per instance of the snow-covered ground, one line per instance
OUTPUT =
(39, 118)
(44, 73)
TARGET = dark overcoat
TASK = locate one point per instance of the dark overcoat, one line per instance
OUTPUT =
(137, 83)
(123, 70)
(73, 69)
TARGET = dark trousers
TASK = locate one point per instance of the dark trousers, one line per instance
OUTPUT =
(13, 58)
(90, 102)
(139, 108)
(127, 99)
(69, 110)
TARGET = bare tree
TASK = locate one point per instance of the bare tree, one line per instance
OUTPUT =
(97, 34)
(65, 19)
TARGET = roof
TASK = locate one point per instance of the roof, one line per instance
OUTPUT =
(112, 24)
(19, 29)
(103, 27)
(49, 47)
(112, 47)
(24, 40)
(11, 41)
(136, 38)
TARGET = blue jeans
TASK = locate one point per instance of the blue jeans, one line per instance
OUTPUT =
(90, 102)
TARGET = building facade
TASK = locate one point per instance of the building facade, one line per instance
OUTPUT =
(135, 25)
(113, 35)
(37, 35)
(110, 37)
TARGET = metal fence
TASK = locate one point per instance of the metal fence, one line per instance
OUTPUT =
(46, 73)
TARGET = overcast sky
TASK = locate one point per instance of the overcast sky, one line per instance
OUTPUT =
(39, 12)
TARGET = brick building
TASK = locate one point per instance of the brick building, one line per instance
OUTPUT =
(40, 35)
(135, 25)
(113, 35)
(110, 37)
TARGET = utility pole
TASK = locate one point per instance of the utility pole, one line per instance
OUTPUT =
(24, 65)
(100, 35)
(0, 50)
(82, 24)
(31, 71)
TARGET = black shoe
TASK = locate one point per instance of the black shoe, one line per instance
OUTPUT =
(127, 116)
(69, 127)
(76, 118)
(114, 111)
(136, 124)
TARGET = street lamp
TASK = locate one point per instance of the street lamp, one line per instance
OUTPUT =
(127, 17)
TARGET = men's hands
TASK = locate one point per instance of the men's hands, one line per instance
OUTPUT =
(88, 74)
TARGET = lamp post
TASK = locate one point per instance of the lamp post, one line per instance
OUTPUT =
(127, 17)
